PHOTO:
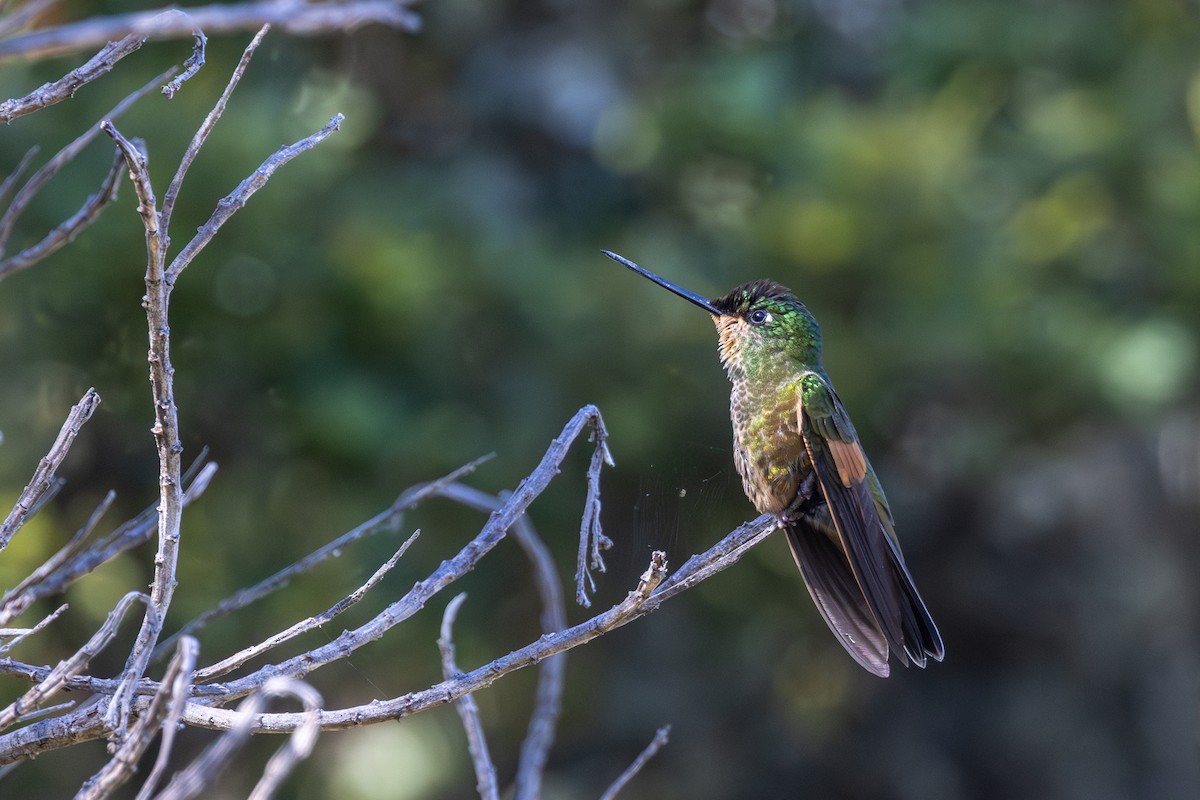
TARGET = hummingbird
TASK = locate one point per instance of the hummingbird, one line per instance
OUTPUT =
(801, 461)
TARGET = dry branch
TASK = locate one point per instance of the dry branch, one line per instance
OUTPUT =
(20, 597)
(85, 723)
(303, 626)
(231, 203)
(591, 538)
(656, 744)
(68, 229)
(166, 435)
(29, 190)
(163, 711)
(160, 281)
(80, 413)
(387, 520)
(23, 16)
(587, 418)
(12, 177)
(71, 666)
(632, 607)
(552, 673)
(179, 678)
(296, 17)
(191, 66)
(64, 156)
(99, 686)
(126, 536)
(468, 709)
(20, 634)
(299, 746)
(65, 87)
(108, 713)
(535, 748)
(640, 602)
(212, 761)
(210, 121)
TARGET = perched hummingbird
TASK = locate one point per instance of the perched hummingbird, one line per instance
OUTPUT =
(800, 459)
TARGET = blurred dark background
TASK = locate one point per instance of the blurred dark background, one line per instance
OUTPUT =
(992, 208)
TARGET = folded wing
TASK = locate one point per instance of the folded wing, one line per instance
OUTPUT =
(860, 574)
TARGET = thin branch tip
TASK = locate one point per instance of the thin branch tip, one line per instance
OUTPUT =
(191, 66)
(660, 739)
(44, 480)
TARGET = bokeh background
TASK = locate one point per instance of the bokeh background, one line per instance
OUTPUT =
(993, 208)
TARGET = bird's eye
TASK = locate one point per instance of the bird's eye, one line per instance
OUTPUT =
(759, 316)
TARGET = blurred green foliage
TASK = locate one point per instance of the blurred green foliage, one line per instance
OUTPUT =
(993, 209)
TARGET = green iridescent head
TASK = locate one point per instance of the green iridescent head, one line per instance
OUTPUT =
(761, 323)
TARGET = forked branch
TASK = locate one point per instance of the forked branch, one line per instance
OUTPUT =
(160, 281)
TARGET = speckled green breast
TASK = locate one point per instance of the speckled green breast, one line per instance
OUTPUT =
(768, 448)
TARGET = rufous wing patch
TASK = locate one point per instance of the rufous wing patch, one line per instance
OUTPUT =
(850, 461)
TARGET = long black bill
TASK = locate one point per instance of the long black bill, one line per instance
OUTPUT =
(703, 302)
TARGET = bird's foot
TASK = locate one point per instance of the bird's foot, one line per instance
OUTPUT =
(805, 492)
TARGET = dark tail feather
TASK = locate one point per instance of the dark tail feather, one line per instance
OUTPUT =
(873, 560)
(921, 637)
(837, 594)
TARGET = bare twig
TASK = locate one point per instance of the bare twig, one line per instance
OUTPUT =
(80, 413)
(591, 538)
(23, 16)
(20, 634)
(16, 174)
(126, 536)
(298, 747)
(71, 666)
(179, 676)
(191, 66)
(209, 123)
(46, 711)
(449, 571)
(212, 761)
(165, 430)
(65, 87)
(552, 673)
(51, 168)
(230, 204)
(17, 599)
(296, 18)
(632, 607)
(100, 686)
(720, 556)
(80, 725)
(468, 710)
(535, 748)
(387, 520)
(86, 724)
(71, 227)
(237, 659)
(163, 712)
(197, 486)
(660, 739)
